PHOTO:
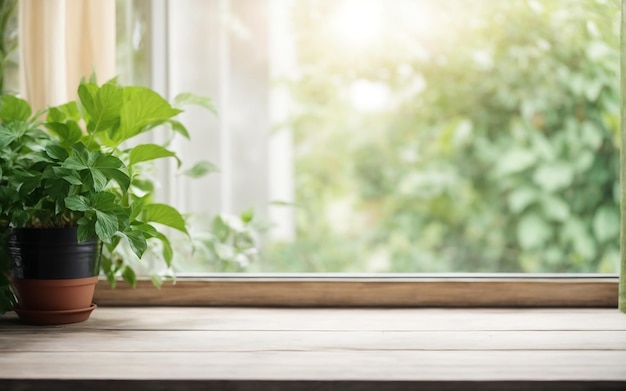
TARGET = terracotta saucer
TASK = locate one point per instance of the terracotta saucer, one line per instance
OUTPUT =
(54, 317)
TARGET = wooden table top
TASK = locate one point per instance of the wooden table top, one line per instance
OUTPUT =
(160, 348)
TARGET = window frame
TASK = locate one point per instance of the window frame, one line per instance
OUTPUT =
(369, 290)
(356, 290)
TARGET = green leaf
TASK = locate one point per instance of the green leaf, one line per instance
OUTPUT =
(56, 152)
(106, 225)
(79, 159)
(201, 169)
(13, 108)
(606, 223)
(554, 176)
(19, 218)
(143, 108)
(247, 215)
(166, 215)
(521, 198)
(575, 232)
(532, 231)
(168, 253)
(112, 217)
(514, 161)
(591, 135)
(112, 245)
(78, 203)
(146, 152)
(555, 208)
(290, 204)
(53, 185)
(103, 104)
(137, 241)
(99, 180)
(70, 176)
(101, 167)
(219, 228)
(157, 281)
(69, 133)
(185, 99)
(11, 132)
(178, 127)
(146, 185)
(20, 175)
(584, 161)
(29, 184)
(593, 87)
(63, 113)
(104, 201)
(86, 229)
(128, 274)
(147, 230)
(598, 50)
(111, 168)
(106, 264)
(137, 207)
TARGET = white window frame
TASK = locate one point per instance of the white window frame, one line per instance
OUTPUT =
(252, 173)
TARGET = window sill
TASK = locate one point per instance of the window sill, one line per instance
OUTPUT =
(319, 349)
(375, 290)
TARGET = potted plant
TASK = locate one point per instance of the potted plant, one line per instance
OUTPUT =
(72, 193)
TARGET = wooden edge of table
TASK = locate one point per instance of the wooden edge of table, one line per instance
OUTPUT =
(365, 292)
(278, 385)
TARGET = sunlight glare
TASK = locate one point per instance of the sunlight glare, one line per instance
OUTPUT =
(357, 23)
(367, 96)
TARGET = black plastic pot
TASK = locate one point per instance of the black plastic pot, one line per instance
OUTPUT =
(52, 253)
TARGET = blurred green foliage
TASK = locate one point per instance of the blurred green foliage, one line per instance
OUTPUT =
(221, 243)
(8, 46)
(495, 149)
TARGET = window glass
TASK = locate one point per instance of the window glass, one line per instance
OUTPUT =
(397, 136)
(133, 33)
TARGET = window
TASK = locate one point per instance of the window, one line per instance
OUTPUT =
(413, 136)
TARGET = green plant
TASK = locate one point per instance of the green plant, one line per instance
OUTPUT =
(222, 243)
(73, 169)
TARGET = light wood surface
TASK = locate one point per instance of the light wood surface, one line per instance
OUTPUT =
(310, 291)
(160, 348)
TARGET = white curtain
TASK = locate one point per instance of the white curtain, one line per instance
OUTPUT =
(62, 41)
